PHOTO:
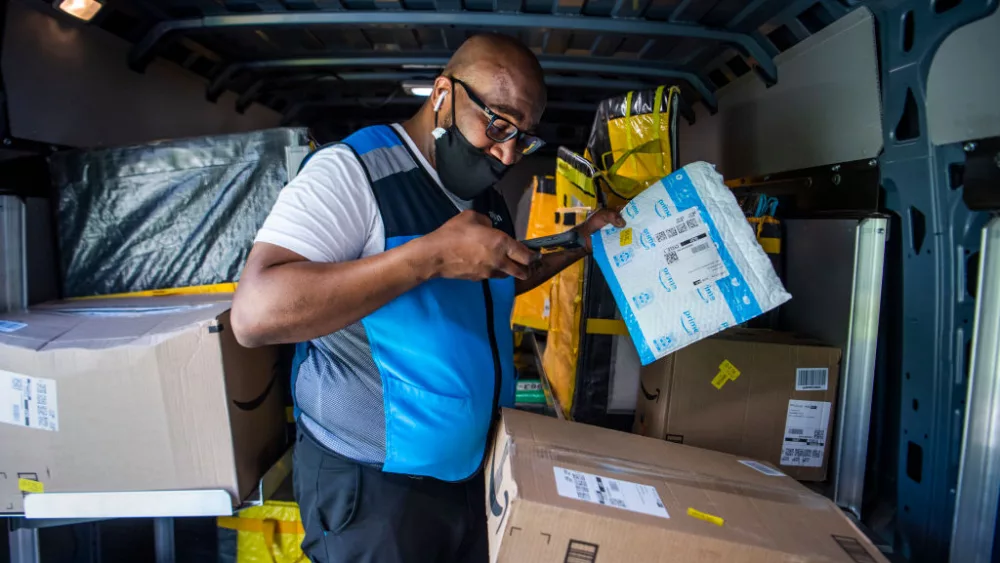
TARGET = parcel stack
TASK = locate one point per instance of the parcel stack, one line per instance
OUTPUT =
(169, 214)
(561, 492)
(633, 144)
(135, 394)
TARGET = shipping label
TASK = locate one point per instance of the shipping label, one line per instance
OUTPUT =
(805, 433)
(28, 401)
(689, 254)
(626, 495)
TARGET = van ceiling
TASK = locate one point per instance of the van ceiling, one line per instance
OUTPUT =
(337, 65)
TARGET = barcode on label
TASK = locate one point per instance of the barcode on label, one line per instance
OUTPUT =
(811, 379)
(699, 248)
(795, 431)
(613, 485)
(582, 492)
(670, 256)
(692, 222)
(661, 236)
(682, 227)
(770, 472)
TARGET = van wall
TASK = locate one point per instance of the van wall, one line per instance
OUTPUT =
(825, 108)
(69, 84)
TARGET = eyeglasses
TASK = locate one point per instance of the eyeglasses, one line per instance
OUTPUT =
(499, 129)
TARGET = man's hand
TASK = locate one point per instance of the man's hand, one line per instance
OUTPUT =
(596, 222)
(467, 247)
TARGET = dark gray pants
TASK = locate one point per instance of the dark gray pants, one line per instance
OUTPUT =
(353, 512)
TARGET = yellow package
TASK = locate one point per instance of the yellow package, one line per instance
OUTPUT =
(563, 345)
(634, 140)
(531, 309)
(270, 533)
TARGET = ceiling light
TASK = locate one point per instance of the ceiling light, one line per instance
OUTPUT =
(422, 89)
(82, 9)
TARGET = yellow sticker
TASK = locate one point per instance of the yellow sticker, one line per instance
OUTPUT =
(706, 517)
(719, 380)
(625, 238)
(729, 369)
(30, 486)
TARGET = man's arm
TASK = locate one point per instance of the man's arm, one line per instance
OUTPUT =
(284, 298)
(553, 263)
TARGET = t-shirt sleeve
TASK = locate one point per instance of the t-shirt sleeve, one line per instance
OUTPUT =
(327, 213)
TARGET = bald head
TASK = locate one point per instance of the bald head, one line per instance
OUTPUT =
(503, 69)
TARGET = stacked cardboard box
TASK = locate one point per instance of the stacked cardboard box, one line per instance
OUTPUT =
(135, 394)
(756, 393)
(559, 491)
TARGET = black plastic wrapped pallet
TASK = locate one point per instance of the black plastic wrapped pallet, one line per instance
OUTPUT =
(168, 214)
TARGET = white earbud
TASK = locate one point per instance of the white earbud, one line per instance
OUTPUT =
(440, 100)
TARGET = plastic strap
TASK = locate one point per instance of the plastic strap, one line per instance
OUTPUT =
(628, 130)
(606, 326)
(228, 287)
(269, 528)
(657, 99)
(260, 525)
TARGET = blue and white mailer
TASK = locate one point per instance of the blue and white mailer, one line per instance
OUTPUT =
(686, 265)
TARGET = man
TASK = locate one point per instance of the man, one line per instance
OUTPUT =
(391, 257)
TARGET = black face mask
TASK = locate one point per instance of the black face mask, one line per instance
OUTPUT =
(465, 169)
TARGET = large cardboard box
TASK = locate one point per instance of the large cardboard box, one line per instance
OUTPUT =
(135, 394)
(756, 393)
(560, 491)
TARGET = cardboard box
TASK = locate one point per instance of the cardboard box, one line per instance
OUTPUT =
(560, 492)
(779, 407)
(135, 394)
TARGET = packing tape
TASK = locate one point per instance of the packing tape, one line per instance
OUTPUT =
(30, 486)
(606, 326)
(729, 369)
(228, 287)
(720, 379)
(625, 238)
(727, 373)
(594, 461)
(705, 516)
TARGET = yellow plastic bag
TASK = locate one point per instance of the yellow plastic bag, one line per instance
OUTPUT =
(563, 345)
(270, 533)
(531, 309)
(634, 140)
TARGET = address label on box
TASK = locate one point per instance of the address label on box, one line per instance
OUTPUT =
(805, 433)
(609, 492)
(31, 402)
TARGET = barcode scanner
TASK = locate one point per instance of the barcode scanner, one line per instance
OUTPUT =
(563, 241)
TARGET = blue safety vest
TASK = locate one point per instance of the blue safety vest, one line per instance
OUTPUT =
(414, 386)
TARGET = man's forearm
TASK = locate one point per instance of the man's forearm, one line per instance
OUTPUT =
(301, 300)
(550, 265)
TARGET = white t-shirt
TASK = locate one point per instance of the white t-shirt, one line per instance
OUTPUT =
(328, 213)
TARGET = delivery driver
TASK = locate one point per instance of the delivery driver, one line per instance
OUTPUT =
(391, 257)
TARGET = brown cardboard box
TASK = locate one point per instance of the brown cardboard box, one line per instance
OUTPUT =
(135, 394)
(662, 502)
(773, 410)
